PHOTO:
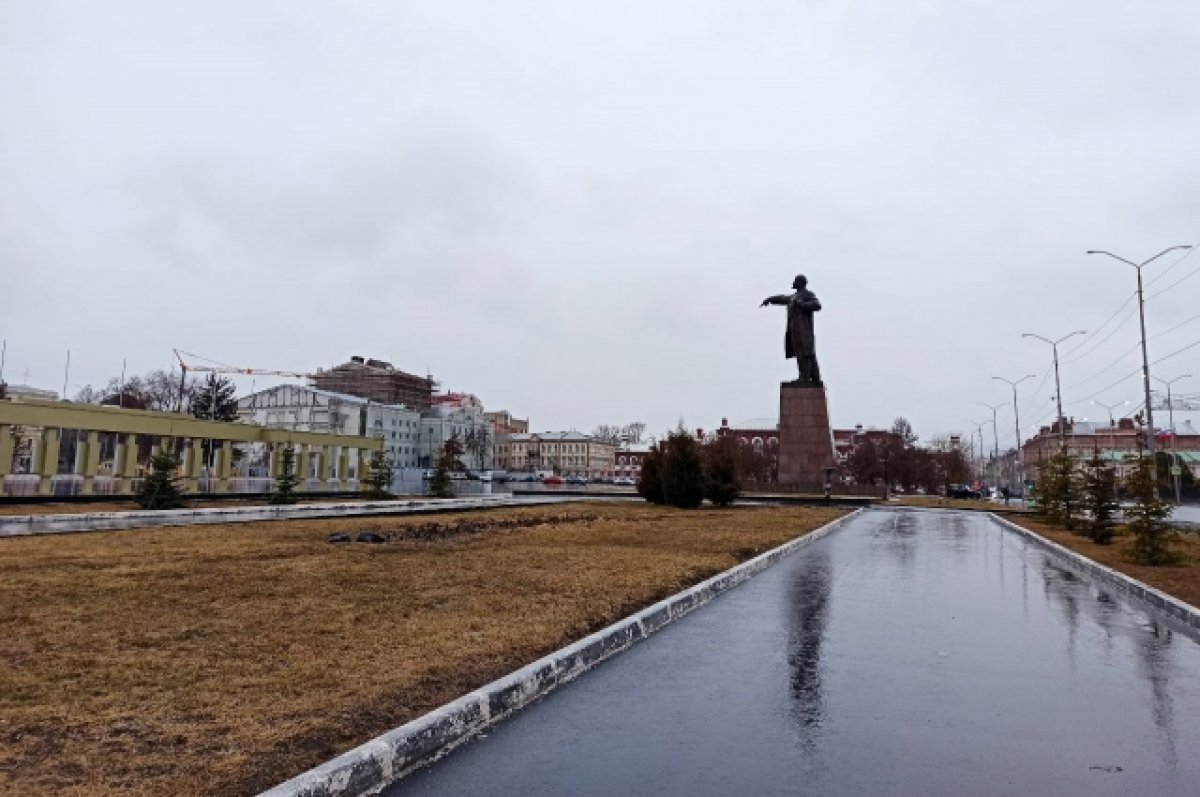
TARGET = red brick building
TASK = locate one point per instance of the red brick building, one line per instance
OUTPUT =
(1116, 444)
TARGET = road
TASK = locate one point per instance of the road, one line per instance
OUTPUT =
(909, 653)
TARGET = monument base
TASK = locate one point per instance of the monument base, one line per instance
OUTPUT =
(805, 439)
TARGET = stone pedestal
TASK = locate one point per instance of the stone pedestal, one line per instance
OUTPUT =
(805, 439)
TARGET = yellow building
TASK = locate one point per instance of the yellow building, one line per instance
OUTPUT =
(561, 453)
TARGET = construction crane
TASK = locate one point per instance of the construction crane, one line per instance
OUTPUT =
(223, 369)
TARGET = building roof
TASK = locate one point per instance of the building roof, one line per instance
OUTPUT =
(344, 398)
(29, 391)
(574, 437)
(755, 425)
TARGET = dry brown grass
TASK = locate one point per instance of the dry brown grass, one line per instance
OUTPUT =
(1181, 580)
(956, 503)
(88, 508)
(219, 660)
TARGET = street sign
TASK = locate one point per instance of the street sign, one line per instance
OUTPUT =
(1176, 470)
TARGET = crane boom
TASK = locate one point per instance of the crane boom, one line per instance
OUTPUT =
(184, 367)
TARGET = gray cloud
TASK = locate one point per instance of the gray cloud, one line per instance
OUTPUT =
(574, 212)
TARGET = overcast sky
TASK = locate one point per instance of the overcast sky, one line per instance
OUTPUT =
(573, 212)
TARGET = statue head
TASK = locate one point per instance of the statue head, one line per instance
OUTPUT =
(800, 283)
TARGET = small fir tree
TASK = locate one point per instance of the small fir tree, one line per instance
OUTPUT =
(1058, 489)
(1147, 516)
(160, 489)
(649, 485)
(682, 470)
(215, 400)
(379, 481)
(440, 486)
(286, 481)
(1099, 499)
(723, 483)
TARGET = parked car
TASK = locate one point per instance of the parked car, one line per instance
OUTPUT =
(581, 480)
(552, 479)
(624, 481)
(962, 491)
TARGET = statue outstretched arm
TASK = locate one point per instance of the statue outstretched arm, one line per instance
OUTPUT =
(782, 298)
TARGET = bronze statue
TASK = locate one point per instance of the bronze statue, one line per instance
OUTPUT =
(801, 341)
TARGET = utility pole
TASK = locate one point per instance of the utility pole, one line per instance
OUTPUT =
(979, 430)
(1142, 318)
(1171, 413)
(995, 441)
(1062, 425)
(1017, 426)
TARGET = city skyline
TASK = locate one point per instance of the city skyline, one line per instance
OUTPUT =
(575, 213)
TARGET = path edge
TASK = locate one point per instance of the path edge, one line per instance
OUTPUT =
(386, 759)
(12, 526)
(1174, 608)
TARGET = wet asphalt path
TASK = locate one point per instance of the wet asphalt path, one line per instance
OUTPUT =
(909, 653)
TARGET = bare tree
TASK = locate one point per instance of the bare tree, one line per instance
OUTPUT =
(477, 441)
(632, 432)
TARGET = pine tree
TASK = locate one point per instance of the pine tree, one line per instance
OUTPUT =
(379, 482)
(440, 486)
(723, 482)
(682, 470)
(1147, 515)
(649, 485)
(1058, 489)
(215, 400)
(286, 481)
(1100, 499)
(160, 489)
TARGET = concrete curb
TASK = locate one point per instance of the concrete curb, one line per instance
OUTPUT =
(27, 525)
(386, 759)
(1175, 609)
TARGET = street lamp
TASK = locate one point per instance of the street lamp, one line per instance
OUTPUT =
(995, 438)
(1142, 319)
(1110, 408)
(1017, 424)
(1062, 426)
(1171, 411)
(979, 430)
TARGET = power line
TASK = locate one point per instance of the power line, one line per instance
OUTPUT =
(1114, 384)
(1172, 329)
(1098, 329)
(1108, 367)
(1192, 345)
(1105, 339)
(1167, 270)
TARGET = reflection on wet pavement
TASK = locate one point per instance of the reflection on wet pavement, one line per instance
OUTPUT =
(908, 653)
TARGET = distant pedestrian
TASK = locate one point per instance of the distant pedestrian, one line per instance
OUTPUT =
(1007, 493)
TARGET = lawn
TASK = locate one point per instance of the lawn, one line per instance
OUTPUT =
(220, 660)
(1181, 579)
(120, 505)
(940, 502)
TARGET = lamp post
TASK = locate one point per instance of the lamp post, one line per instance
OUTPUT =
(1110, 408)
(1017, 425)
(1062, 426)
(1171, 413)
(979, 430)
(995, 439)
(1142, 319)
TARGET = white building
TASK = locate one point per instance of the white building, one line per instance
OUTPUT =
(308, 409)
(468, 423)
